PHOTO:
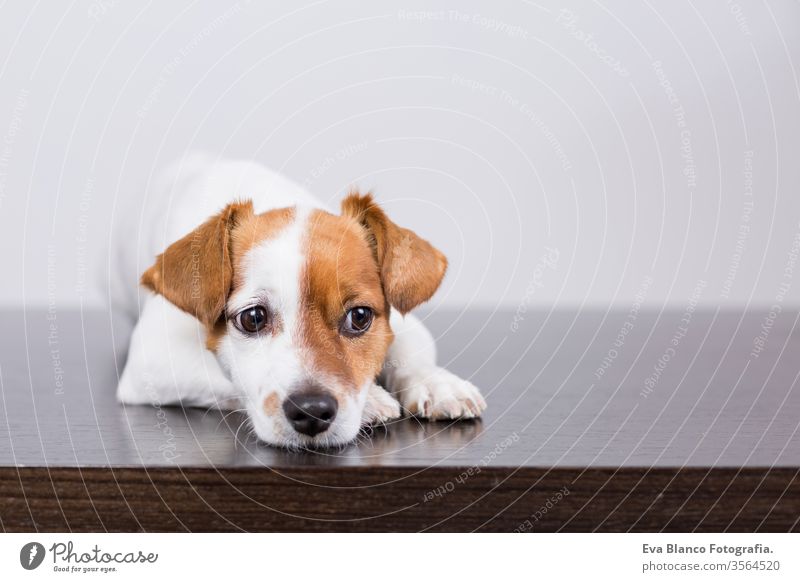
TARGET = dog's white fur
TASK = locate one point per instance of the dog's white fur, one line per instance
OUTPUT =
(168, 362)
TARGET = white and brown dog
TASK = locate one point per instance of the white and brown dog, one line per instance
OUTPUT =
(276, 306)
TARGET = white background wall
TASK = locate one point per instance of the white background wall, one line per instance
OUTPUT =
(571, 153)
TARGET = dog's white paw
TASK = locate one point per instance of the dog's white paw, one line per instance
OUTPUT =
(437, 394)
(379, 407)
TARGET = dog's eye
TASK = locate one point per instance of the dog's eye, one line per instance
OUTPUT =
(357, 321)
(252, 319)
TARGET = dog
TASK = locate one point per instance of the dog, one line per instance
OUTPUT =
(258, 298)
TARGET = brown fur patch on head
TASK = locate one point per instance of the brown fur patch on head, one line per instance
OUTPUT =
(411, 268)
(195, 272)
(340, 273)
(200, 271)
(215, 333)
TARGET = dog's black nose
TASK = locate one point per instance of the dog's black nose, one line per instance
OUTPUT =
(311, 411)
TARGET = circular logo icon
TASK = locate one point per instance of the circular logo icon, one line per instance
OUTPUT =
(31, 555)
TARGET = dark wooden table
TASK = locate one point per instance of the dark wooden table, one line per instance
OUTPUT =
(606, 421)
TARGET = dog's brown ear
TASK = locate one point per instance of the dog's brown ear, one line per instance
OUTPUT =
(195, 273)
(411, 268)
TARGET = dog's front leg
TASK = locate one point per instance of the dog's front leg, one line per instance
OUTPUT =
(380, 407)
(423, 388)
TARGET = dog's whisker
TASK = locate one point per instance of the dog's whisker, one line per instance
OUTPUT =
(230, 413)
(245, 422)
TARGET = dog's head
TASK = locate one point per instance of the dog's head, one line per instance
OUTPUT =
(296, 306)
